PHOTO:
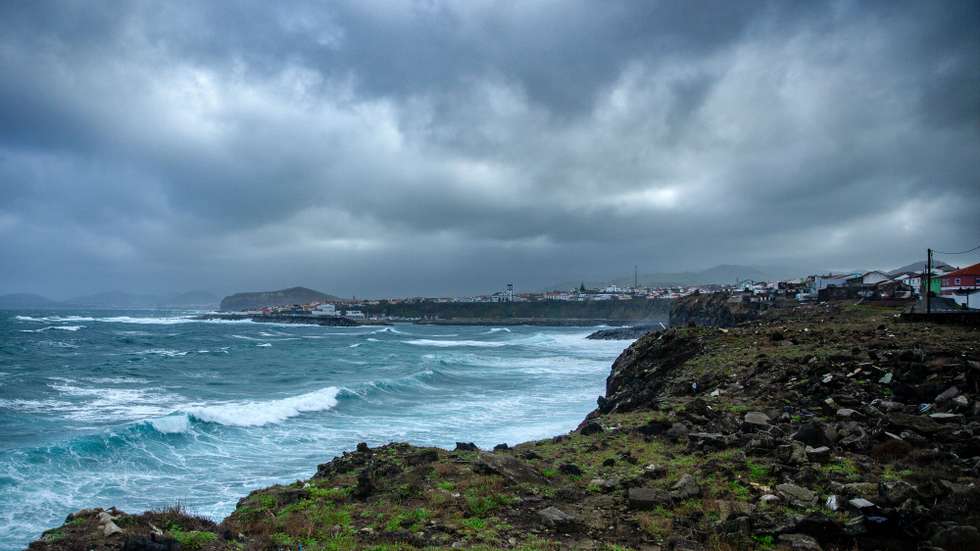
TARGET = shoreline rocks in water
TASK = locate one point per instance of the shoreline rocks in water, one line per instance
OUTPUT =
(830, 426)
(625, 333)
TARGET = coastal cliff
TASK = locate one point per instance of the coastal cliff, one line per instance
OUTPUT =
(712, 310)
(829, 426)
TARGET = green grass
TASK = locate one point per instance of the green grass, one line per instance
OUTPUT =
(738, 490)
(757, 472)
(480, 505)
(765, 541)
(475, 523)
(192, 540)
(447, 486)
(53, 536)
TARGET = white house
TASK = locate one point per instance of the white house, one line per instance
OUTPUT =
(354, 314)
(325, 310)
(869, 279)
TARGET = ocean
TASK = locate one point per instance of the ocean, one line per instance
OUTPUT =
(144, 409)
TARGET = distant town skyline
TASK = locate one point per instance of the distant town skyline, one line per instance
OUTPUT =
(449, 147)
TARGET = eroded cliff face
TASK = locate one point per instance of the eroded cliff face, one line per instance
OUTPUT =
(712, 310)
(646, 370)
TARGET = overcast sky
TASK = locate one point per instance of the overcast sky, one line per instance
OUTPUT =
(382, 148)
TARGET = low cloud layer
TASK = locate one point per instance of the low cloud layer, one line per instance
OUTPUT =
(448, 147)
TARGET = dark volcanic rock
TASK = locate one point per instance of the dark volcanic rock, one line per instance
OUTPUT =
(642, 371)
(711, 310)
(623, 333)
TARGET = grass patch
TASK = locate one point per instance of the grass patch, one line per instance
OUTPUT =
(191, 540)
(757, 471)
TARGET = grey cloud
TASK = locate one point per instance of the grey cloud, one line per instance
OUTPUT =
(436, 146)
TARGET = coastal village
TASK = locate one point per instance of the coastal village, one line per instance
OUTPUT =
(951, 289)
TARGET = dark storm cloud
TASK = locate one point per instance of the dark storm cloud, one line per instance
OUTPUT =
(427, 147)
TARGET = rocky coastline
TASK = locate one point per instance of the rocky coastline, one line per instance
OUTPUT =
(804, 427)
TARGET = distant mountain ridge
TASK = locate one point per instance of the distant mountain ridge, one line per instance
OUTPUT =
(283, 297)
(111, 299)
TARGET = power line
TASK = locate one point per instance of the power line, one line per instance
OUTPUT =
(960, 252)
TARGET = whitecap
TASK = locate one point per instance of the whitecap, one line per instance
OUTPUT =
(264, 345)
(446, 344)
(498, 330)
(355, 345)
(163, 352)
(259, 413)
(48, 328)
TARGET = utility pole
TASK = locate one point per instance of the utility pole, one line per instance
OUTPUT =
(636, 282)
(928, 280)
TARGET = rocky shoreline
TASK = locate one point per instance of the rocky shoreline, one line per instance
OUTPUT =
(830, 426)
(332, 321)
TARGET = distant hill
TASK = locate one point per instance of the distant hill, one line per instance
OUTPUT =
(25, 301)
(919, 266)
(282, 297)
(721, 274)
(112, 299)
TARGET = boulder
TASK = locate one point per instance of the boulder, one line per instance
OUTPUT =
(895, 492)
(755, 420)
(800, 542)
(646, 498)
(466, 447)
(110, 529)
(797, 495)
(710, 440)
(947, 395)
(818, 455)
(508, 467)
(591, 427)
(812, 434)
(957, 538)
(685, 488)
(558, 519)
(918, 423)
(570, 469)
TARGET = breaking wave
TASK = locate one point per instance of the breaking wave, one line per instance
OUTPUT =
(259, 413)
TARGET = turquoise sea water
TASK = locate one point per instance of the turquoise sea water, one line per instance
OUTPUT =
(140, 409)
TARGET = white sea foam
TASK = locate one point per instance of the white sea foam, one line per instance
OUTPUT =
(387, 330)
(447, 344)
(58, 344)
(264, 344)
(163, 352)
(498, 330)
(355, 345)
(171, 424)
(48, 328)
(99, 403)
(258, 413)
(33, 406)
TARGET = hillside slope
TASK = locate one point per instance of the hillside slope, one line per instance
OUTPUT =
(814, 427)
(282, 297)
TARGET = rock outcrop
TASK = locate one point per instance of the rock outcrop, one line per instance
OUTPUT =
(711, 310)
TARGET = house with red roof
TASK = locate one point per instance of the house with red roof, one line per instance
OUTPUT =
(963, 286)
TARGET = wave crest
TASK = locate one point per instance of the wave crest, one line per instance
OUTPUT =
(259, 413)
